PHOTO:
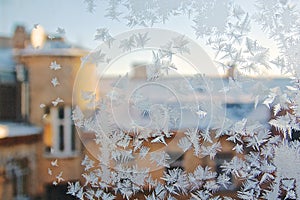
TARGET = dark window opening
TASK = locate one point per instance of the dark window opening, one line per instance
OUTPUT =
(47, 110)
(295, 135)
(238, 111)
(10, 102)
(61, 113)
(58, 192)
(73, 138)
(48, 149)
(219, 161)
(176, 160)
(61, 138)
(17, 171)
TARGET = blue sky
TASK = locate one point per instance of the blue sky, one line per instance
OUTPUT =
(79, 24)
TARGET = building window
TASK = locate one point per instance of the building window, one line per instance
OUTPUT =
(219, 161)
(10, 102)
(17, 172)
(238, 111)
(58, 192)
(295, 135)
(176, 160)
(59, 132)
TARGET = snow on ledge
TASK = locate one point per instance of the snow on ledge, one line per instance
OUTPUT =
(51, 52)
(13, 129)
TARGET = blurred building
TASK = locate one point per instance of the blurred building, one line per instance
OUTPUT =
(19, 140)
(32, 135)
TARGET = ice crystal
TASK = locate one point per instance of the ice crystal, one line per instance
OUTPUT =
(57, 101)
(54, 163)
(54, 66)
(176, 181)
(103, 35)
(54, 81)
(60, 30)
(90, 5)
(50, 172)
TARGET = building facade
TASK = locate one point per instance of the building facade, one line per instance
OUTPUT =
(35, 130)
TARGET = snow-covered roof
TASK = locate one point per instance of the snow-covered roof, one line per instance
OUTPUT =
(14, 129)
(52, 48)
(51, 52)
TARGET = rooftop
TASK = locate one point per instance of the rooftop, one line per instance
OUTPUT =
(19, 45)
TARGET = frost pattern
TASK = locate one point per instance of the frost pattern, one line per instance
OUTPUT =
(263, 161)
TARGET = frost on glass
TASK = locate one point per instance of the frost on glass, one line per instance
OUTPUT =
(266, 158)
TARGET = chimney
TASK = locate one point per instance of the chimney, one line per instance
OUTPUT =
(19, 37)
(139, 71)
(231, 72)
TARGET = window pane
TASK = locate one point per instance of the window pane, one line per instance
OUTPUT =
(219, 161)
(73, 138)
(47, 110)
(176, 160)
(57, 192)
(10, 102)
(14, 183)
(18, 172)
(61, 138)
(295, 135)
(61, 114)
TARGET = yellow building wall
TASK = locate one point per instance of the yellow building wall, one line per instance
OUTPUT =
(43, 92)
(40, 76)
